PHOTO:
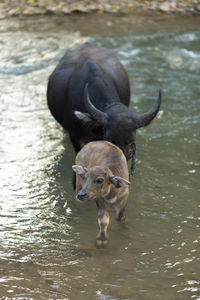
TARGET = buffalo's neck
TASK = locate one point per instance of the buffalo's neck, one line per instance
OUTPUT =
(117, 108)
(103, 94)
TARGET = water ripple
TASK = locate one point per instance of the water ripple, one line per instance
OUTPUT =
(47, 240)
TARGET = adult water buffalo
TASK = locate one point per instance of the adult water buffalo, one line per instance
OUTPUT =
(88, 94)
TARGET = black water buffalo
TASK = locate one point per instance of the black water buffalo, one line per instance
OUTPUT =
(88, 94)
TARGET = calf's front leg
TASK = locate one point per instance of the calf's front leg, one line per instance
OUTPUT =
(103, 220)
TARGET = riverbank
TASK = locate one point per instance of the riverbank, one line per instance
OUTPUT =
(12, 8)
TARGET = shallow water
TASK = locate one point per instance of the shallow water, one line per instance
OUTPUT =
(47, 239)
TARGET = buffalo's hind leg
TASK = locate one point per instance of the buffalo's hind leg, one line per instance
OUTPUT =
(103, 220)
(77, 148)
(74, 181)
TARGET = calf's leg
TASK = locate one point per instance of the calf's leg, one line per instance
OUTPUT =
(120, 209)
(103, 220)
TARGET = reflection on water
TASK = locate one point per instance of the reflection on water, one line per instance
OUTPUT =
(47, 239)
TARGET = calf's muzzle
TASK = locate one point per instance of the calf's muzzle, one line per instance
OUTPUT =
(82, 196)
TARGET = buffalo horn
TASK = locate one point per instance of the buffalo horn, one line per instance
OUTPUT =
(95, 113)
(146, 118)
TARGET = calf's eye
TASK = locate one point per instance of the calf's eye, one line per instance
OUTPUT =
(99, 180)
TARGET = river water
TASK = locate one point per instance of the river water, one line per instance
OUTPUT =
(47, 239)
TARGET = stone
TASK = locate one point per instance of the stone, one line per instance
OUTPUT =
(165, 7)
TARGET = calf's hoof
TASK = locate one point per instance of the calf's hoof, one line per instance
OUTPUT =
(102, 239)
(121, 219)
(101, 243)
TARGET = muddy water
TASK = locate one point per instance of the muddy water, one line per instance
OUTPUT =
(47, 239)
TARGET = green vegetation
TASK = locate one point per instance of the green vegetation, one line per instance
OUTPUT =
(37, 7)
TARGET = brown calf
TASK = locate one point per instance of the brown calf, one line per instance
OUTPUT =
(102, 175)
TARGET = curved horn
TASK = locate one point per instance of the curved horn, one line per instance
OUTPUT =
(95, 113)
(145, 119)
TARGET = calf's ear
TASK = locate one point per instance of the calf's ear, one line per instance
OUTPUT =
(119, 181)
(79, 170)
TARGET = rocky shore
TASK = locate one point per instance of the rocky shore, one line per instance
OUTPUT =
(10, 8)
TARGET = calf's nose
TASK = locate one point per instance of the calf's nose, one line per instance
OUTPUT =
(82, 196)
